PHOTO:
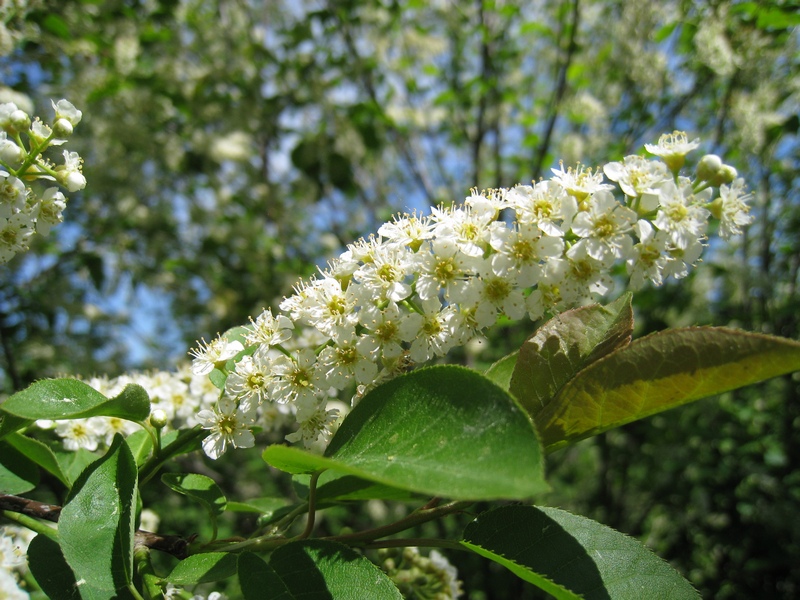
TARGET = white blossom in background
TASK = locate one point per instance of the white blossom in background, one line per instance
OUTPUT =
(24, 210)
(426, 284)
(13, 561)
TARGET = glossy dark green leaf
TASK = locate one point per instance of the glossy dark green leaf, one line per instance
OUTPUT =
(444, 431)
(18, 474)
(572, 557)
(340, 487)
(319, 570)
(259, 581)
(39, 453)
(96, 526)
(50, 570)
(201, 568)
(565, 345)
(658, 372)
(73, 399)
(198, 487)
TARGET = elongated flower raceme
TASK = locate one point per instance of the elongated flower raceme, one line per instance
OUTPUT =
(426, 284)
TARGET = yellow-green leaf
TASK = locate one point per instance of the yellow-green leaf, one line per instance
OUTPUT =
(658, 372)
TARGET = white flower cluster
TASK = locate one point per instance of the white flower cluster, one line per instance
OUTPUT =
(23, 212)
(13, 561)
(417, 576)
(177, 396)
(428, 283)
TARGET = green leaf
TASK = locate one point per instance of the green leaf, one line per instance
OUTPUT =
(264, 506)
(202, 568)
(259, 581)
(18, 474)
(198, 487)
(661, 371)
(39, 453)
(339, 487)
(96, 526)
(10, 423)
(50, 570)
(445, 431)
(74, 399)
(565, 345)
(74, 463)
(501, 371)
(318, 570)
(573, 557)
(141, 444)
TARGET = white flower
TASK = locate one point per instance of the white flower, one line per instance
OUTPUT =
(213, 355)
(269, 330)
(384, 278)
(685, 221)
(446, 268)
(680, 259)
(673, 148)
(733, 214)
(50, 207)
(637, 175)
(435, 336)
(295, 379)
(350, 357)
(497, 294)
(407, 230)
(468, 229)
(229, 427)
(249, 381)
(79, 433)
(649, 255)
(521, 250)
(314, 423)
(329, 307)
(69, 174)
(604, 227)
(65, 110)
(546, 205)
(10, 153)
(389, 328)
(13, 195)
(580, 182)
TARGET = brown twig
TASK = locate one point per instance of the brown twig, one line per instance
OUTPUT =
(171, 544)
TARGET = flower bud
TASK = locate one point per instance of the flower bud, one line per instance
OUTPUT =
(158, 418)
(708, 167)
(62, 128)
(10, 153)
(19, 120)
(727, 174)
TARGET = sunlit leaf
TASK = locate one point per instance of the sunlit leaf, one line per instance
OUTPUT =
(659, 372)
(445, 431)
(96, 526)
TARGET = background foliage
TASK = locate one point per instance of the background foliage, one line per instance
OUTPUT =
(233, 146)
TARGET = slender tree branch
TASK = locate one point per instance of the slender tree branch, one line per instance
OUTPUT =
(21, 510)
(558, 93)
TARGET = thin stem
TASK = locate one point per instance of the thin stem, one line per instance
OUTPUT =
(31, 523)
(416, 518)
(312, 505)
(415, 542)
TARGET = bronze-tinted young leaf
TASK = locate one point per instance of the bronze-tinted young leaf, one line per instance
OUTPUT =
(565, 345)
(572, 557)
(445, 431)
(661, 371)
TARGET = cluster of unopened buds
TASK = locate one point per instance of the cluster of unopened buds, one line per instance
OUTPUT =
(23, 142)
(426, 284)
